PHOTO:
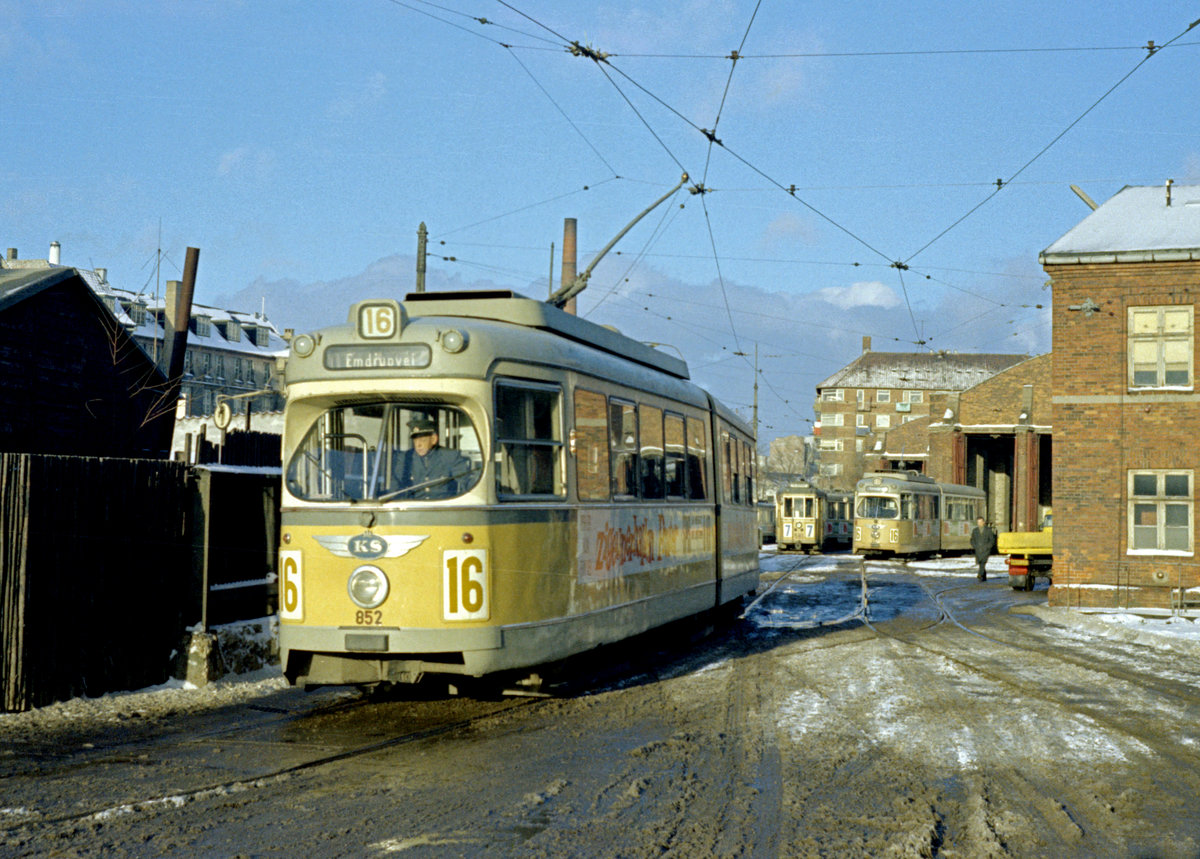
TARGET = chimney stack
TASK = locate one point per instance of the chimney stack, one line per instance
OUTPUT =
(568, 260)
(866, 343)
(55, 254)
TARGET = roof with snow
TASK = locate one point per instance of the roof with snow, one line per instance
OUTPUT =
(229, 331)
(1156, 223)
(930, 371)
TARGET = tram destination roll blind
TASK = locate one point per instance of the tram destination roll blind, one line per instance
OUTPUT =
(378, 356)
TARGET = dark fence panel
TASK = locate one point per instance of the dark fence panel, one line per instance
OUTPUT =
(104, 541)
(241, 447)
(14, 484)
(105, 564)
(236, 541)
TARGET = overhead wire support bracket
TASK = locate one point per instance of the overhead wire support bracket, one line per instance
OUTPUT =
(578, 50)
(569, 290)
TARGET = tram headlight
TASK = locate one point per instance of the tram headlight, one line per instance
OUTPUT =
(368, 586)
(303, 345)
(454, 340)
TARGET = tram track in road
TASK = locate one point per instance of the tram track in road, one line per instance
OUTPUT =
(94, 750)
(992, 667)
(1145, 679)
(167, 799)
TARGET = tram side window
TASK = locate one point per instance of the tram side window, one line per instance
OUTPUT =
(623, 437)
(528, 439)
(650, 421)
(674, 451)
(732, 470)
(697, 459)
(591, 446)
(748, 473)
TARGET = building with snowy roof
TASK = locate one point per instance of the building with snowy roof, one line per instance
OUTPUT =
(1124, 407)
(72, 381)
(879, 391)
(230, 354)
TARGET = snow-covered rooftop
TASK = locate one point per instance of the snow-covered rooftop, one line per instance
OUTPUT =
(1137, 224)
(933, 371)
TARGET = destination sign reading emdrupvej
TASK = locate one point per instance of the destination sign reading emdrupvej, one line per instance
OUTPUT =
(391, 356)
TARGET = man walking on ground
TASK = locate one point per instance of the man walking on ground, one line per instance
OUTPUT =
(983, 538)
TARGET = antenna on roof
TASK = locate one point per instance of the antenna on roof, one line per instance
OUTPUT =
(1082, 196)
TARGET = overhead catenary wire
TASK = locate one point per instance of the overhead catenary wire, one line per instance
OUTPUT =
(603, 61)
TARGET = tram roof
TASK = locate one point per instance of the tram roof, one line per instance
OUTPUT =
(516, 309)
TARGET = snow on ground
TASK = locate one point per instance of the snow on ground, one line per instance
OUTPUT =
(247, 647)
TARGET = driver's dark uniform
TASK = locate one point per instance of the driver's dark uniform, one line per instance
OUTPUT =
(439, 462)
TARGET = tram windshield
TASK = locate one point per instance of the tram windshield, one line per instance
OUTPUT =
(386, 451)
(877, 507)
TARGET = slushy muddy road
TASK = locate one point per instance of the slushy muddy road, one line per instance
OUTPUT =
(877, 709)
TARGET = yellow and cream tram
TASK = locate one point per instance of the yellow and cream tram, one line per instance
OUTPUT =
(905, 513)
(588, 492)
(839, 519)
(809, 519)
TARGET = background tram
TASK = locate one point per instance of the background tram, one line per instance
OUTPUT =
(905, 513)
(810, 519)
(591, 492)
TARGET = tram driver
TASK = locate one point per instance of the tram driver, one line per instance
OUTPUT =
(432, 470)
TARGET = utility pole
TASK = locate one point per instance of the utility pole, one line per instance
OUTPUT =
(756, 395)
(422, 235)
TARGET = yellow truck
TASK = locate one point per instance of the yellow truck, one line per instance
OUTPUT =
(1029, 554)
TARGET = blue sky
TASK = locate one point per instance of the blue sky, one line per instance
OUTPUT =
(299, 145)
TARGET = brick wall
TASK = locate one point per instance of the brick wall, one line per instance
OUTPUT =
(1102, 430)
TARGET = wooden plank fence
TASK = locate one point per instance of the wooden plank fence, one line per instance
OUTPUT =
(106, 563)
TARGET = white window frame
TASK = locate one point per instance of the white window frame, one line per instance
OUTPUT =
(833, 395)
(834, 444)
(860, 396)
(883, 421)
(1160, 500)
(1161, 340)
(831, 469)
(883, 396)
(860, 420)
(836, 419)
(914, 396)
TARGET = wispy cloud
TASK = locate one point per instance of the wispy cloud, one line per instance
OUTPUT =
(861, 294)
(362, 101)
(246, 161)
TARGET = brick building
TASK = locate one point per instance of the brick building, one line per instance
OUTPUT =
(1125, 416)
(880, 391)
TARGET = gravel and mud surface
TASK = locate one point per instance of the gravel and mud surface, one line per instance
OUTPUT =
(946, 718)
